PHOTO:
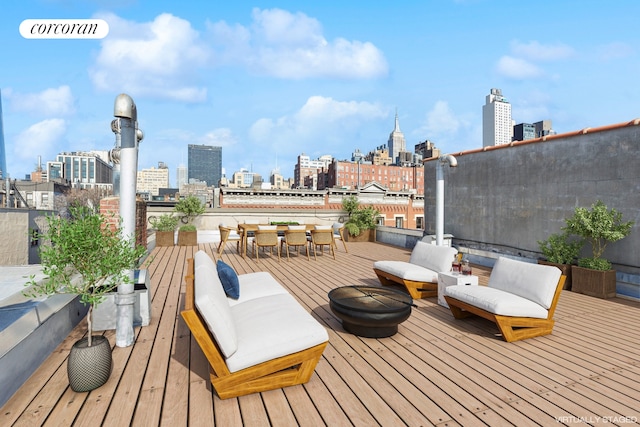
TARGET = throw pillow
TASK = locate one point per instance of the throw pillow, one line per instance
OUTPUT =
(229, 280)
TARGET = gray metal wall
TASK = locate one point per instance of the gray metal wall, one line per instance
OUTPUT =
(505, 199)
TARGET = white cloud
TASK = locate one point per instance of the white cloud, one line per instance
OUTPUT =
(287, 45)
(525, 58)
(50, 102)
(441, 119)
(535, 51)
(321, 123)
(157, 59)
(446, 129)
(615, 50)
(517, 68)
(221, 137)
(40, 139)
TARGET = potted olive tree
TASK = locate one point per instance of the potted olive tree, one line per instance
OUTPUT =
(599, 226)
(190, 207)
(85, 257)
(561, 250)
(165, 226)
(362, 222)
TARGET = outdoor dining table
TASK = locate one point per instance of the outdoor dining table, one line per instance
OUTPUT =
(245, 229)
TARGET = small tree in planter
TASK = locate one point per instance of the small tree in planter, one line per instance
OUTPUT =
(561, 250)
(360, 219)
(85, 258)
(599, 226)
(165, 226)
(190, 207)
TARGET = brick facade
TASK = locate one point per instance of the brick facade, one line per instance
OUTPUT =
(110, 208)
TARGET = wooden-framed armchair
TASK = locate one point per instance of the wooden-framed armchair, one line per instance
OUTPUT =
(520, 298)
(228, 234)
(419, 275)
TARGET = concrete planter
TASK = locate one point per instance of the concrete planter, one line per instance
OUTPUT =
(364, 236)
(187, 238)
(165, 238)
(596, 283)
(566, 270)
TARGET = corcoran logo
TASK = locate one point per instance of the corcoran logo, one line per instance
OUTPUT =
(64, 29)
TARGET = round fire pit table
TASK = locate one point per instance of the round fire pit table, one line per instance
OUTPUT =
(370, 311)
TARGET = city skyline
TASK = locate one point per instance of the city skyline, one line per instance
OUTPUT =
(270, 81)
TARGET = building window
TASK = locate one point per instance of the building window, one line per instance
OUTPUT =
(420, 222)
(399, 222)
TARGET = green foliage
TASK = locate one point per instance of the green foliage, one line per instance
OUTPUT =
(598, 226)
(82, 245)
(595, 263)
(190, 207)
(350, 204)
(360, 218)
(188, 227)
(560, 249)
(164, 222)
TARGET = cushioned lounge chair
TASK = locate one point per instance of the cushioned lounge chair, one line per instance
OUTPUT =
(420, 274)
(520, 298)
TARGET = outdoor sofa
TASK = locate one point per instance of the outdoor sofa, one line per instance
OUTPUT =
(255, 335)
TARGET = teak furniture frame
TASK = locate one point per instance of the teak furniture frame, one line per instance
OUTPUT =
(293, 369)
(417, 290)
(512, 328)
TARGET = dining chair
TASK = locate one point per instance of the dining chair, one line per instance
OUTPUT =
(295, 238)
(338, 234)
(322, 238)
(266, 239)
(228, 234)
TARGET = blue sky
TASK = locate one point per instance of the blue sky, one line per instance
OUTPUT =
(268, 81)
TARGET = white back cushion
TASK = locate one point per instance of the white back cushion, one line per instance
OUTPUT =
(297, 227)
(212, 304)
(531, 281)
(436, 258)
(267, 227)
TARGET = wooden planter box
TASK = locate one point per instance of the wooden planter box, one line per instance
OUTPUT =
(187, 238)
(364, 236)
(165, 238)
(565, 268)
(596, 283)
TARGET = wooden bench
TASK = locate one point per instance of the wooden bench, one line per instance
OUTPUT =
(236, 346)
(520, 298)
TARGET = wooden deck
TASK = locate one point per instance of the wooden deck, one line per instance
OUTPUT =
(435, 371)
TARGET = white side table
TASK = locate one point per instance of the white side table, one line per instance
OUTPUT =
(453, 279)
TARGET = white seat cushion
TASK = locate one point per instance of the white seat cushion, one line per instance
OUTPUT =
(497, 301)
(257, 285)
(534, 282)
(272, 327)
(432, 257)
(407, 271)
(323, 227)
(212, 303)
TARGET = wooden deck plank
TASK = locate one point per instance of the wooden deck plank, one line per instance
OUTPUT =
(435, 371)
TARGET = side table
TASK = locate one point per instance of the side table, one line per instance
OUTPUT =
(453, 279)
